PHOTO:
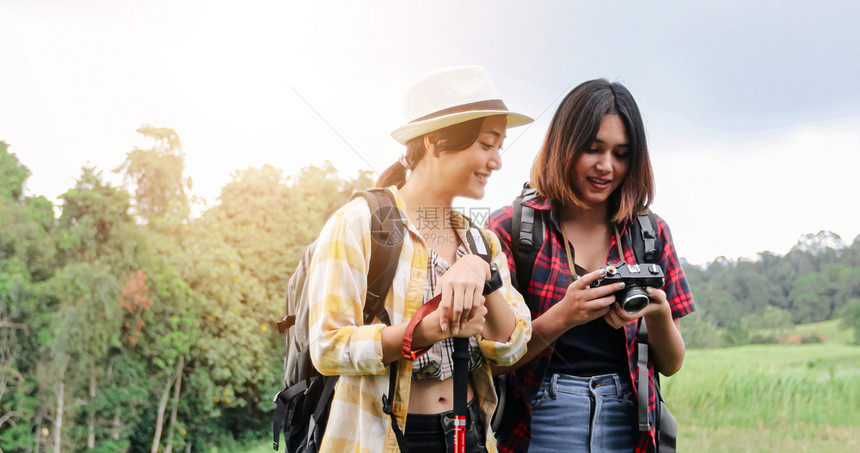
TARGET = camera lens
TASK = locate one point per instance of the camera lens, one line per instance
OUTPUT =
(633, 300)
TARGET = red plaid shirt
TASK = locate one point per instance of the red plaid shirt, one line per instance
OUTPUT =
(514, 433)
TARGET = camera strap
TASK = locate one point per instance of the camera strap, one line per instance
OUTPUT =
(569, 253)
(570, 261)
(618, 241)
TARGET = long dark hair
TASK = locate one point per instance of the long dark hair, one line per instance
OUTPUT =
(452, 138)
(571, 132)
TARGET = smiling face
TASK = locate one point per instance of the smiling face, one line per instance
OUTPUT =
(465, 172)
(601, 168)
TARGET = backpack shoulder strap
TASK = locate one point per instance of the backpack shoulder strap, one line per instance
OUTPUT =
(387, 231)
(478, 243)
(643, 235)
(642, 389)
(527, 231)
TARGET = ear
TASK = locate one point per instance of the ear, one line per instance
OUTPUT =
(430, 146)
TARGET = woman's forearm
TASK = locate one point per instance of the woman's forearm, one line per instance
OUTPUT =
(545, 330)
(665, 342)
(500, 321)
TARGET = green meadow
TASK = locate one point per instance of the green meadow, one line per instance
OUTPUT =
(763, 398)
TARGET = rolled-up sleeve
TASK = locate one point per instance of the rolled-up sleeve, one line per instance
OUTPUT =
(676, 288)
(339, 343)
(509, 352)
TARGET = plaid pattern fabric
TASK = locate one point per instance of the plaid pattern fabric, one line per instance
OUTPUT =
(548, 285)
(341, 344)
(437, 362)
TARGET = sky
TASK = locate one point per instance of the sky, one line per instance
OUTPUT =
(751, 109)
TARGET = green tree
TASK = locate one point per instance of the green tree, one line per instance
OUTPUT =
(817, 296)
(98, 245)
(12, 174)
(699, 333)
(85, 328)
(157, 174)
(257, 218)
(169, 322)
(27, 260)
(850, 314)
(775, 320)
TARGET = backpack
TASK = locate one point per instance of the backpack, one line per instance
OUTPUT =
(527, 236)
(528, 231)
(302, 406)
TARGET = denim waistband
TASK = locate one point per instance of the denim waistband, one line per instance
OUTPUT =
(604, 384)
(427, 422)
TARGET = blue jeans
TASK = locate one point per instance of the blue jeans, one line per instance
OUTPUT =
(583, 414)
(426, 433)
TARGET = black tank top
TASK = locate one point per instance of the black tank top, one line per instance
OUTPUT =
(590, 349)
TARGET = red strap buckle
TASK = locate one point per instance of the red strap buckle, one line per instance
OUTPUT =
(408, 352)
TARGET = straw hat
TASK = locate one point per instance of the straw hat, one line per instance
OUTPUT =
(449, 96)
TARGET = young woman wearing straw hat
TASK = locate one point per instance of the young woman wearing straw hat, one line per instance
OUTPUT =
(455, 129)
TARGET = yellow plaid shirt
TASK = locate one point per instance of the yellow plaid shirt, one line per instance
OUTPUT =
(341, 344)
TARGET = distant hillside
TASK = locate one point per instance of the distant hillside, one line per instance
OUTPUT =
(818, 280)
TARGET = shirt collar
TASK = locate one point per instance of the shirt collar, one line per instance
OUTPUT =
(459, 221)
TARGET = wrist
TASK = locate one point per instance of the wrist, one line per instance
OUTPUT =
(494, 280)
(662, 313)
(428, 332)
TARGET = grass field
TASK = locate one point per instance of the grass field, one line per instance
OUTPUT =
(828, 331)
(765, 398)
(768, 398)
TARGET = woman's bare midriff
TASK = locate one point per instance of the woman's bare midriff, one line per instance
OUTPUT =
(432, 396)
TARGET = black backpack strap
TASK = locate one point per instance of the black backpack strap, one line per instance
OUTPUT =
(642, 388)
(642, 392)
(527, 231)
(387, 231)
(278, 419)
(386, 408)
(322, 406)
(643, 234)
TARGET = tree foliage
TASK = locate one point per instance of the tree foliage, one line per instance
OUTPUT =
(125, 324)
(160, 189)
(813, 282)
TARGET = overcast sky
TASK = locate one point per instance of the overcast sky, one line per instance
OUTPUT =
(752, 109)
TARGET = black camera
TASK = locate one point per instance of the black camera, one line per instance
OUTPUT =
(632, 298)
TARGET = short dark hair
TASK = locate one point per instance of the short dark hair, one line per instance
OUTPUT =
(571, 132)
(455, 137)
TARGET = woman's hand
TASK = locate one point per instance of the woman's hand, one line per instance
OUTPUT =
(582, 303)
(461, 288)
(428, 332)
(616, 317)
(664, 332)
(476, 322)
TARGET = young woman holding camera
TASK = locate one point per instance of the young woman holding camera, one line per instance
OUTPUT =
(573, 390)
